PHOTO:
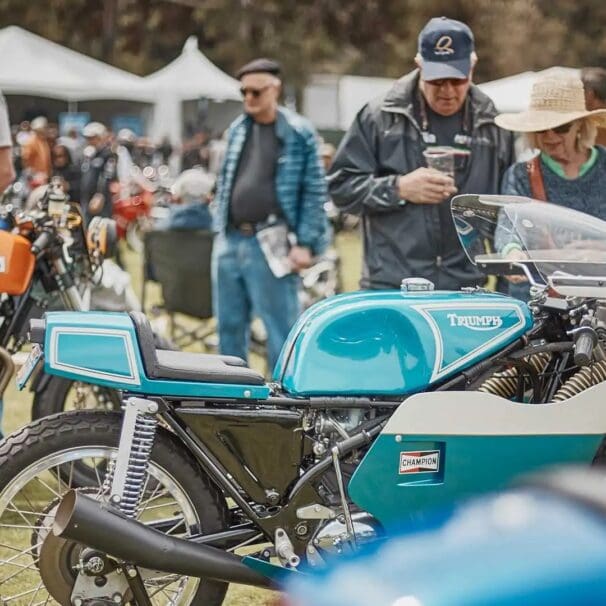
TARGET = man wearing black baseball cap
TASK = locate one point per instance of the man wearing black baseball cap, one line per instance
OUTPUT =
(269, 214)
(380, 173)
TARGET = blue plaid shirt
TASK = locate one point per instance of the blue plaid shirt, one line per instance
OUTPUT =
(300, 183)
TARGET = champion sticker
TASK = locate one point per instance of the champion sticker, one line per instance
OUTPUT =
(419, 461)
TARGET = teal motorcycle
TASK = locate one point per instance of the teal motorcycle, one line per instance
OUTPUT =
(382, 406)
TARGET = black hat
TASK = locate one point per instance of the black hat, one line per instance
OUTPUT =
(267, 66)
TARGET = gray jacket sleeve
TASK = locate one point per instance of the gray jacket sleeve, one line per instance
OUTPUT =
(353, 183)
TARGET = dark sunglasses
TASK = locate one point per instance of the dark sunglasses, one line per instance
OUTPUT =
(255, 92)
(558, 130)
(452, 81)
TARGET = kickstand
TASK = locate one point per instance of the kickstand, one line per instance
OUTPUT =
(135, 582)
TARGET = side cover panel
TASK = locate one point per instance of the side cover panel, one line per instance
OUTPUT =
(102, 348)
(443, 446)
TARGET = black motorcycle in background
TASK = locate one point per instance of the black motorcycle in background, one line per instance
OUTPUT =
(49, 262)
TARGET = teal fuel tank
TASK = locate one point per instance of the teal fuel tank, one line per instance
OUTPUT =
(392, 343)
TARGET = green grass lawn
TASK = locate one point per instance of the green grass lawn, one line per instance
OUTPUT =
(17, 405)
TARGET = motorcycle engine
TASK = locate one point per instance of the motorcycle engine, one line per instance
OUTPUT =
(328, 428)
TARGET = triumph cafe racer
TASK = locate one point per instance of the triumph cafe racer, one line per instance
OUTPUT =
(383, 404)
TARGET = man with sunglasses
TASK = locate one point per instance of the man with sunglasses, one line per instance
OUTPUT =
(269, 214)
(379, 171)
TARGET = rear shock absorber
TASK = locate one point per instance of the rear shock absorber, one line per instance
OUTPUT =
(134, 452)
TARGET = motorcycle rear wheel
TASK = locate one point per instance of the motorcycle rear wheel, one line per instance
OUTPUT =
(63, 395)
(36, 468)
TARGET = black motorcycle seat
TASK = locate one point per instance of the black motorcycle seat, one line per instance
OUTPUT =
(186, 366)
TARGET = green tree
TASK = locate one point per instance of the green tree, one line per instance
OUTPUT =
(373, 37)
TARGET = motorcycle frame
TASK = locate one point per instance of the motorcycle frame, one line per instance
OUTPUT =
(302, 491)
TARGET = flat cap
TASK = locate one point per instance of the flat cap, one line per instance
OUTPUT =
(267, 66)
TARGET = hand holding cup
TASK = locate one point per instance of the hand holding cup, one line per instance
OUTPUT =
(426, 186)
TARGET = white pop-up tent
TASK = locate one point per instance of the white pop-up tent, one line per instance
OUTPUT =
(512, 94)
(331, 102)
(191, 77)
(32, 65)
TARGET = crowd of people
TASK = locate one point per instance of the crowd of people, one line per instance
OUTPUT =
(92, 158)
(275, 177)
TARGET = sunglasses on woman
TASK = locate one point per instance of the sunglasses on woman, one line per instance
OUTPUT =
(558, 130)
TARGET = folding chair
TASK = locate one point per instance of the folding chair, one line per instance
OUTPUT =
(179, 260)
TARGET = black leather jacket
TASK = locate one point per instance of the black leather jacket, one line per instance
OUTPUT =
(97, 173)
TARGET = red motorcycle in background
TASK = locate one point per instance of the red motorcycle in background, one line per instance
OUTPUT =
(133, 213)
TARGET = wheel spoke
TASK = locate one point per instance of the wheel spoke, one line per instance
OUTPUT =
(24, 512)
(32, 566)
(58, 476)
(48, 487)
(22, 553)
(26, 499)
(99, 481)
(143, 506)
(31, 602)
(71, 475)
(28, 527)
(162, 505)
(18, 596)
(247, 542)
(11, 548)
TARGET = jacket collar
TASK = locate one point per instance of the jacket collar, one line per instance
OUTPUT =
(400, 97)
(282, 122)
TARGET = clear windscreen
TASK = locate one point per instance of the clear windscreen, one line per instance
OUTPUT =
(498, 231)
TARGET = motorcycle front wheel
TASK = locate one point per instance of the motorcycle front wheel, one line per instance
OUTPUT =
(37, 466)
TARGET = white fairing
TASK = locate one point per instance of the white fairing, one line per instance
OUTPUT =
(472, 413)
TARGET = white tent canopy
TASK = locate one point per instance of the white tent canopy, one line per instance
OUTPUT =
(190, 76)
(32, 65)
(332, 102)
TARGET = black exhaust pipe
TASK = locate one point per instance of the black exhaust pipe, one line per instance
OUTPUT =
(95, 524)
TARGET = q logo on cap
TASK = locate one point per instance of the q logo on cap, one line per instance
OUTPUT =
(444, 46)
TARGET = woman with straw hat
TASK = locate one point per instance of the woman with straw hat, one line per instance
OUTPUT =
(570, 169)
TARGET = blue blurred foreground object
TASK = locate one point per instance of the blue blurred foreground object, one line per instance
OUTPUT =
(544, 544)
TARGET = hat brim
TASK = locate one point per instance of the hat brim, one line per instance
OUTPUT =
(533, 121)
(436, 70)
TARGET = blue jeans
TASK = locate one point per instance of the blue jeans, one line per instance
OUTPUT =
(243, 287)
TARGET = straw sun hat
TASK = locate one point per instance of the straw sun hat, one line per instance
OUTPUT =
(555, 100)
